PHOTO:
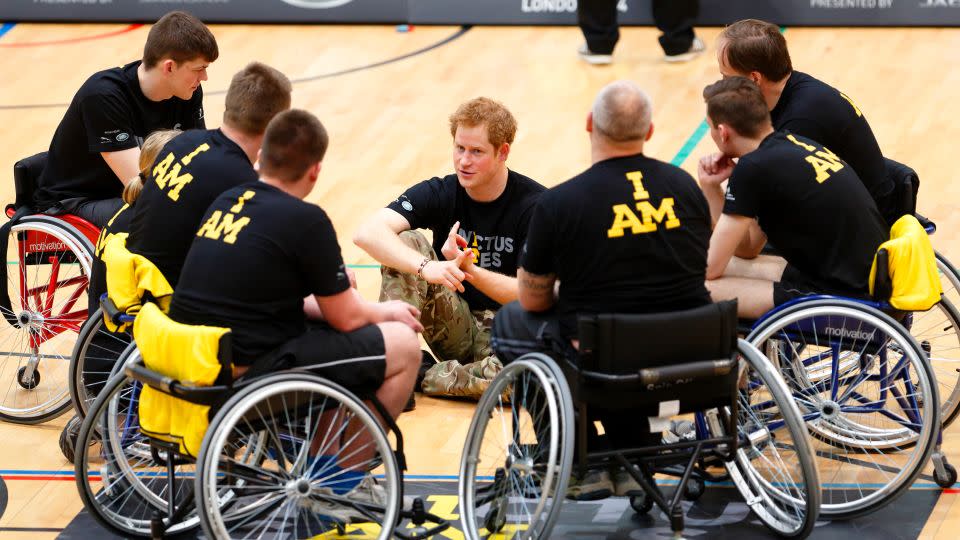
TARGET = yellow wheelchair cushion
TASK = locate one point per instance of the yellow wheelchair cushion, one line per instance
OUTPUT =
(913, 267)
(129, 278)
(183, 352)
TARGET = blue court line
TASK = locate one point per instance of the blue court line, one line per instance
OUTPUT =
(6, 27)
(691, 143)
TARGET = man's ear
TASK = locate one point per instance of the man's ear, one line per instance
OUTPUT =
(725, 132)
(256, 164)
(756, 77)
(503, 152)
(590, 122)
(649, 132)
(167, 65)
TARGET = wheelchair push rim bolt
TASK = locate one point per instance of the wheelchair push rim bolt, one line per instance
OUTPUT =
(829, 410)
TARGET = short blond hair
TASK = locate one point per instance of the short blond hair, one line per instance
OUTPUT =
(501, 125)
(148, 154)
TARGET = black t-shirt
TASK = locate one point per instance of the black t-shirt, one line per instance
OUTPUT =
(258, 253)
(817, 111)
(119, 223)
(190, 172)
(108, 114)
(628, 235)
(495, 230)
(812, 206)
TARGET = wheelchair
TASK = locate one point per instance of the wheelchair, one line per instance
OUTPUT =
(44, 304)
(866, 390)
(519, 453)
(252, 474)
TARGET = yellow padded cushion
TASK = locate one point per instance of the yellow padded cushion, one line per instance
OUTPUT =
(129, 278)
(183, 352)
(913, 267)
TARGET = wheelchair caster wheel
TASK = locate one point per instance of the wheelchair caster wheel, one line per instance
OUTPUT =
(946, 481)
(497, 517)
(694, 489)
(68, 438)
(641, 504)
(28, 384)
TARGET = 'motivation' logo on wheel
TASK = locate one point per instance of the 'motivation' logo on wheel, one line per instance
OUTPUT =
(317, 4)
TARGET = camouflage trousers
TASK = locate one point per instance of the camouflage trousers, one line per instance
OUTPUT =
(458, 336)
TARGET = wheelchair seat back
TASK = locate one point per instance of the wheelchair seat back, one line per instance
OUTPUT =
(187, 355)
(26, 173)
(639, 361)
(906, 185)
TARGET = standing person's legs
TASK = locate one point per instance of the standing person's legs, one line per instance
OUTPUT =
(675, 18)
(598, 22)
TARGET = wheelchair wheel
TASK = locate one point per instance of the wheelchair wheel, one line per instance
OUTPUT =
(93, 360)
(867, 394)
(122, 481)
(937, 330)
(296, 455)
(518, 455)
(47, 266)
(773, 467)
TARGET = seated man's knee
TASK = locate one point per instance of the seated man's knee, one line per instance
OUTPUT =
(417, 241)
(401, 345)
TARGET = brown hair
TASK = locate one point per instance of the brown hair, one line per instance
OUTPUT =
(752, 45)
(148, 154)
(738, 103)
(294, 141)
(180, 37)
(501, 125)
(256, 94)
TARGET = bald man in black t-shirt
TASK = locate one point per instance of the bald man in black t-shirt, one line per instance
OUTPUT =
(806, 106)
(790, 189)
(628, 235)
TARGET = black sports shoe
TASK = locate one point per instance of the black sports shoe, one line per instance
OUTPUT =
(427, 361)
(411, 404)
(68, 437)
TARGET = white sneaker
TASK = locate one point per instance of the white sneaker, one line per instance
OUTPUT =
(593, 58)
(696, 48)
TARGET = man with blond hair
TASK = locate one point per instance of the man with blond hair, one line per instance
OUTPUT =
(478, 217)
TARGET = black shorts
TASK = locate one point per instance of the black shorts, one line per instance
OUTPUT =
(356, 360)
(792, 285)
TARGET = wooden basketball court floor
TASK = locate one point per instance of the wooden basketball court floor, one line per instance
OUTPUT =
(385, 95)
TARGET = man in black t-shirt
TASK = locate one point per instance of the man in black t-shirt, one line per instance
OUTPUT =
(199, 165)
(790, 189)
(628, 235)
(267, 265)
(95, 150)
(807, 107)
(478, 218)
(261, 251)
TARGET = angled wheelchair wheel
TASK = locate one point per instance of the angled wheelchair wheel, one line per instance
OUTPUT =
(773, 467)
(94, 358)
(518, 455)
(47, 268)
(299, 456)
(937, 330)
(124, 482)
(866, 392)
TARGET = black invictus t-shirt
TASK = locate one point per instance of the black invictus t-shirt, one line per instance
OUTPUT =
(190, 172)
(628, 235)
(494, 230)
(812, 206)
(258, 253)
(817, 111)
(108, 114)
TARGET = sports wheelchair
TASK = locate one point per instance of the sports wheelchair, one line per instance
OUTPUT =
(289, 454)
(866, 389)
(44, 304)
(519, 452)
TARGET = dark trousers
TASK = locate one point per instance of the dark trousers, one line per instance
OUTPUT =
(675, 18)
(96, 211)
(517, 332)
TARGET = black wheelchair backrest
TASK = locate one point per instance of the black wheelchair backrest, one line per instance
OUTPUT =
(626, 343)
(26, 172)
(906, 186)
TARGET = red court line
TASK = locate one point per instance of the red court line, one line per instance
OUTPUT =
(130, 28)
(31, 477)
